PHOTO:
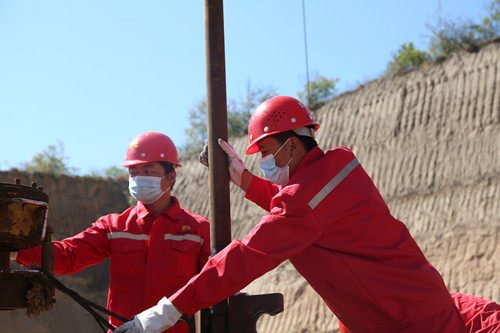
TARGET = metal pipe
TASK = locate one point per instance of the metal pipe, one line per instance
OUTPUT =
(217, 126)
(220, 217)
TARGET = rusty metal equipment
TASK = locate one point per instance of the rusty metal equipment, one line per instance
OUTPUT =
(23, 224)
(240, 312)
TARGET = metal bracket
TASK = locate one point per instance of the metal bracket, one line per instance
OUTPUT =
(245, 310)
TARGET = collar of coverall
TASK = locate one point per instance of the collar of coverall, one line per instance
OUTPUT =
(172, 211)
(310, 157)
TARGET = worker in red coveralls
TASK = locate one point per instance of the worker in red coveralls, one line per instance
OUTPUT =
(327, 217)
(480, 315)
(155, 247)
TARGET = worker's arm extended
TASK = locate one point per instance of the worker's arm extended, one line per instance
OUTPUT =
(73, 254)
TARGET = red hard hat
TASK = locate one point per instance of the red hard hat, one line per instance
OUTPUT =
(276, 115)
(151, 147)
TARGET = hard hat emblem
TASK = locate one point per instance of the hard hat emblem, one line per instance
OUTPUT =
(133, 144)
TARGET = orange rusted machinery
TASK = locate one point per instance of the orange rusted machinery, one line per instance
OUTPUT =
(23, 224)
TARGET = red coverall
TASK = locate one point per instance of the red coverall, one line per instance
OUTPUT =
(151, 256)
(480, 315)
(334, 227)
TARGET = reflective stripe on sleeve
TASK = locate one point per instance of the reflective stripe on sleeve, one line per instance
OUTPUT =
(193, 238)
(128, 235)
(333, 183)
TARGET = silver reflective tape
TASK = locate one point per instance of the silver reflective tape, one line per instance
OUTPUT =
(333, 183)
(127, 235)
(193, 238)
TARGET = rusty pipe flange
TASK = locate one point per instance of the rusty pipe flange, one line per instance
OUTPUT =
(23, 216)
(14, 286)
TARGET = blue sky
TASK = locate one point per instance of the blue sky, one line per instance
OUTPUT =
(93, 74)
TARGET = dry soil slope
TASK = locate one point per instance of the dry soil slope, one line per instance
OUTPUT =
(430, 140)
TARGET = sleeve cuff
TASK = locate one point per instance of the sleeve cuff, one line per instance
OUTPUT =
(183, 302)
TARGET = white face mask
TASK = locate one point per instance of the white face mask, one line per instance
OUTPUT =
(146, 189)
(274, 173)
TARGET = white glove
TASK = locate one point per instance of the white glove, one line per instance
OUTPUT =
(13, 255)
(153, 320)
(128, 327)
(236, 165)
(203, 157)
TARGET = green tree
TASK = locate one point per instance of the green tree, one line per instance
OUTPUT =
(406, 58)
(238, 115)
(239, 112)
(450, 36)
(111, 172)
(197, 131)
(51, 160)
(114, 172)
(320, 90)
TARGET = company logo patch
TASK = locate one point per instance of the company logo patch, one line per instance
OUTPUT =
(186, 229)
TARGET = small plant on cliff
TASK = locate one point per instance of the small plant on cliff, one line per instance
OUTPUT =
(447, 37)
(405, 59)
(451, 36)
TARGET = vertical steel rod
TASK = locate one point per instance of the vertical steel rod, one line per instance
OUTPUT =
(217, 128)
